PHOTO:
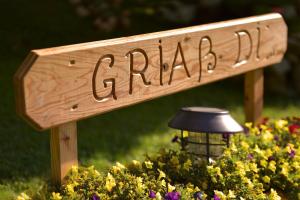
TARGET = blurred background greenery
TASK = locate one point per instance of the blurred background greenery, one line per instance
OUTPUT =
(127, 133)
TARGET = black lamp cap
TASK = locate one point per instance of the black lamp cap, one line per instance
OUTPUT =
(204, 119)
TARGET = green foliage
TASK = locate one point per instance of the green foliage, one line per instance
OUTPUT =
(260, 164)
(265, 159)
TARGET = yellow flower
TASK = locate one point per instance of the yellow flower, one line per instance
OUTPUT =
(227, 153)
(276, 148)
(267, 136)
(70, 189)
(120, 185)
(190, 187)
(190, 190)
(263, 163)
(23, 196)
(241, 168)
(148, 164)
(161, 174)
(272, 166)
(253, 167)
(96, 172)
(268, 153)
(255, 176)
(136, 163)
(296, 165)
(258, 150)
(231, 194)
(274, 196)
(174, 160)
(140, 185)
(171, 187)
(55, 196)
(280, 124)
(115, 169)
(285, 169)
(266, 179)
(263, 127)
(248, 181)
(163, 183)
(218, 170)
(220, 194)
(74, 169)
(158, 196)
(187, 165)
(120, 165)
(289, 148)
(233, 148)
(255, 131)
(249, 125)
(110, 182)
(185, 134)
(244, 145)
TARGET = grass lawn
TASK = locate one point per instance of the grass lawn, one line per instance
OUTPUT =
(121, 135)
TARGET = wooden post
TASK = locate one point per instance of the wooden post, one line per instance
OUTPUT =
(253, 95)
(63, 144)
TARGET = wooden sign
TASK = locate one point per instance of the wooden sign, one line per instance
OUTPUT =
(63, 84)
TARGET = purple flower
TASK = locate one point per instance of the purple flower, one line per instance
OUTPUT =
(250, 156)
(175, 139)
(271, 158)
(95, 197)
(276, 138)
(152, 194)
(246, 130)
(225, 136)
(216, 197)
(198, 196)
(172, 196)
(292, 153)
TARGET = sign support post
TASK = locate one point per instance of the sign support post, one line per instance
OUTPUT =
(253, 95)
(63, 145)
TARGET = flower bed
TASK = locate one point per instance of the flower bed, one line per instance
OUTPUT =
(263, 163)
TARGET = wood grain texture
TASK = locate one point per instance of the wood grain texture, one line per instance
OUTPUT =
(63, 84)
(63, 146)
(253, 95)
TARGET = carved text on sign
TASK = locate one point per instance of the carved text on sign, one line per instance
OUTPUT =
(208, 60)
(62, 84)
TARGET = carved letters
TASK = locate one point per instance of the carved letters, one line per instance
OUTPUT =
(240, 35)
(63, 84)
(135, 71)
(211, 65)
(175, 65)
(208, 61)
(105, 81)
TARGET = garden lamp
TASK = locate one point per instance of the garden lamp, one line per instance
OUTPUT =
(205, 131)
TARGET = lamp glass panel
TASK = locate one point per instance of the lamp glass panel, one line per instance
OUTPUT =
(216, 150)
(197, 144)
